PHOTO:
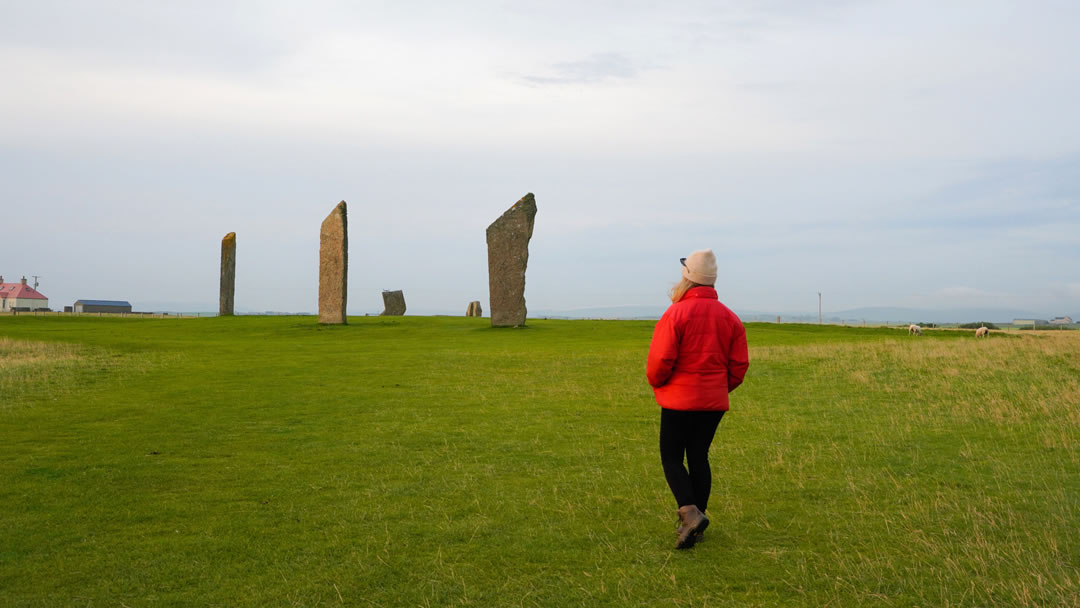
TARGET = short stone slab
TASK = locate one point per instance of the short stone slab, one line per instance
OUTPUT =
(334, 266)
(508, 256)
(474, 309)
(393, 303)
(227, 288)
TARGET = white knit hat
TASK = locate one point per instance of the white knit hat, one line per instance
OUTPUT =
(700, 267)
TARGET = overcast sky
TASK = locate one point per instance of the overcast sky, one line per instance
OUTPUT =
(896, 153)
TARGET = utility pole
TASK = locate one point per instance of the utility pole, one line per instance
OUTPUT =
(36, 277)
(819, 308)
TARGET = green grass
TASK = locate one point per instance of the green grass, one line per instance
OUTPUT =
(269, 461)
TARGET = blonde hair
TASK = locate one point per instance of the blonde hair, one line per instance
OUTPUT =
(679, 290)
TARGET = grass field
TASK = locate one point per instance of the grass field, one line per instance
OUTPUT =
(269, 461)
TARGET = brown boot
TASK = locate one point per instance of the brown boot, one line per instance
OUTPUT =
(679, 526)
(700, 534)
(694, 522)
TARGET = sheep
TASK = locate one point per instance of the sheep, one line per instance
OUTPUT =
(982, 332)
(914, 330)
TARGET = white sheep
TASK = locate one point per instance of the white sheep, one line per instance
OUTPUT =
(914, 330)
(982, 332)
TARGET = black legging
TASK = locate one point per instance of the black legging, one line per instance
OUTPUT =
(690, 433)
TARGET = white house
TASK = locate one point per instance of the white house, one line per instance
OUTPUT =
(20, 296)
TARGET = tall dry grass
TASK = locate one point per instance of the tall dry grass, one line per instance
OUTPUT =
(32, 371)
(23, 361)
(959, 457)
(998, 380)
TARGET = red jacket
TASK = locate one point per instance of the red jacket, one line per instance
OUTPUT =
(698, 353)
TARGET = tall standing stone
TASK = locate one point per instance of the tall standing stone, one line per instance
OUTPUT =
(393, 303)
(228, 275)
(508, 255)
(334, 266)
(474, 309)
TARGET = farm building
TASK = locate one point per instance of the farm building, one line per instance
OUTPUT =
(1032, 322)
(1066, 320)
(114, 306)
(20, 296)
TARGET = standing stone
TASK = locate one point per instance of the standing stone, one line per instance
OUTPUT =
(474, 309)
(334, 266)
(508, 255)
(393, 303)
(228, 275)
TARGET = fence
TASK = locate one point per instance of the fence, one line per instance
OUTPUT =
(123, 315)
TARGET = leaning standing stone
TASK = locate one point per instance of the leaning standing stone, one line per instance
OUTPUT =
(333, 266)
(228, 275)
(393, 303)
(508, 255)
(474, 309)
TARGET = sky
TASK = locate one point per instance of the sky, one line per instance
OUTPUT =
(894, 153)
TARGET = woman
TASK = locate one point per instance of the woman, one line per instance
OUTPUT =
(697, 356)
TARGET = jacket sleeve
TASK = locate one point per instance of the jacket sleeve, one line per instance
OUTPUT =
(663, 351)
(738, 358)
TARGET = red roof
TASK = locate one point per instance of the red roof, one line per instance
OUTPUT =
(20, 291)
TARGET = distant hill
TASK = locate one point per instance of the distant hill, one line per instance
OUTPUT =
(602, 312)
(174, 306)
(882, 314)
(937, 315)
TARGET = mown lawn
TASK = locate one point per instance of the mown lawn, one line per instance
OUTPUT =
(269, 461)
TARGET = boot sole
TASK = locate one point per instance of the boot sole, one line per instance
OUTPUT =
(693, 536)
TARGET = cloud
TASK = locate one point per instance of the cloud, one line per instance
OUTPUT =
(866, 150)
(226, 38)
(963, 292)
(1070, 291)
(598, 68)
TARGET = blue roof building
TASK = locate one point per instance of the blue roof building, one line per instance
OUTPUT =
(113, 306)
